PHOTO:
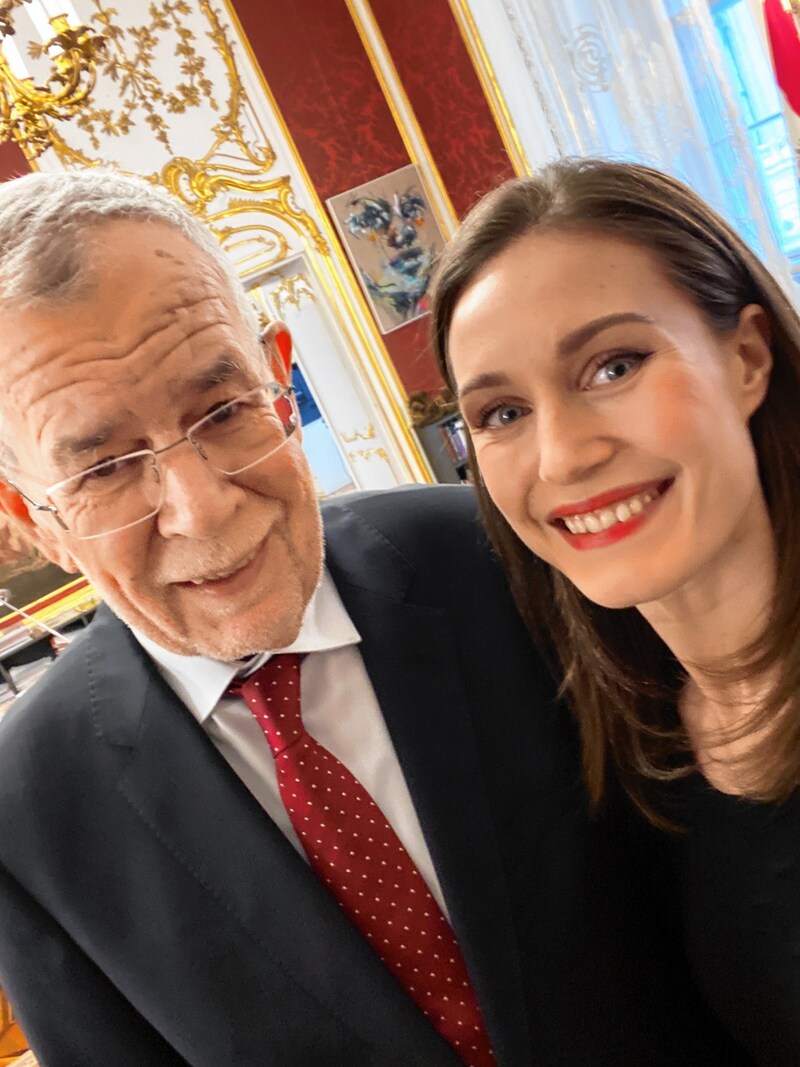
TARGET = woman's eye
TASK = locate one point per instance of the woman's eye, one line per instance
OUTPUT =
(618, 367)
(502, 415)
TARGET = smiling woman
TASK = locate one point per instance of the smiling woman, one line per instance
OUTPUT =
(629, 375)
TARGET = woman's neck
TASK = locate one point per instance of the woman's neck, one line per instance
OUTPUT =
(721, 611)
(708, 624)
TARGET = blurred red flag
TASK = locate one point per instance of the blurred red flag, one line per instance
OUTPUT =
(782, 21)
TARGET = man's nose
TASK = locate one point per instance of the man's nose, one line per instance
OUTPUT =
(573, 441)
(198, 501)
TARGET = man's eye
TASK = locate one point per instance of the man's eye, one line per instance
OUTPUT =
(111, 473)
(618, 367)
(228, 410)
(223, 413)
(502, 415)
(107, 468)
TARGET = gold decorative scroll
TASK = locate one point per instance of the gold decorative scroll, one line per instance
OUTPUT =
(268, 246)
(426, 408)
(369, 453)
(125, 56)
(27, 110)
(291, 292)
(359, 435)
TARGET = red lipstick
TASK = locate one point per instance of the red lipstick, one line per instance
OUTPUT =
(619, 530)
(604, 500)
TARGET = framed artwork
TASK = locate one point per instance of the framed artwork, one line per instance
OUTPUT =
(392, 238)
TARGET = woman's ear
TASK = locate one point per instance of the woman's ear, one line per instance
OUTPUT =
(16, 514)
(277, 342)
(753, 358)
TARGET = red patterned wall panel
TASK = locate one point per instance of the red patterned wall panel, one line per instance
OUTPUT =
(410, 351)
(445, 93)
(325, 88)
(12, 161)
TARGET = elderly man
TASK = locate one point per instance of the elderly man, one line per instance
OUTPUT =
(370, 849)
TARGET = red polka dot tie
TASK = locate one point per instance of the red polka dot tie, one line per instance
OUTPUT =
(358, 856)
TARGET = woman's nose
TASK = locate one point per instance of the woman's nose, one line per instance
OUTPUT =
(572, 442)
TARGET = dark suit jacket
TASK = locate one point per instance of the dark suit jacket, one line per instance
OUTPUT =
(153, 915)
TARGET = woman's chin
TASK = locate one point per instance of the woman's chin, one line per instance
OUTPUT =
(623, 595)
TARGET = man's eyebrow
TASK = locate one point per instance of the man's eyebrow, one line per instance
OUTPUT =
(567, 346)
(67, 448)
(222, 370)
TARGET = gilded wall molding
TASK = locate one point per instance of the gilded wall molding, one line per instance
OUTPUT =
(180, 100)
(28, 108)
(368, 454)
(125, 90)
(367, 434)
(292, 292)
(501, 112)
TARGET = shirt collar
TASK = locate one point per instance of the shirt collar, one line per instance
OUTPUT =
(200, 681)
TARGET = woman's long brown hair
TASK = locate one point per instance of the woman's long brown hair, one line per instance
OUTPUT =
(619, 678)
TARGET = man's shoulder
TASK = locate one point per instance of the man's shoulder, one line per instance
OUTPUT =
(406, 500)
(416, 520)
(421, 542)
(55, 716)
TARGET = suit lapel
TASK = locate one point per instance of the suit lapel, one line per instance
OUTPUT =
(182, 787)
(184, 793)
(410, 657)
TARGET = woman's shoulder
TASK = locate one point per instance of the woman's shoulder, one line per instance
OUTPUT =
(738, 866)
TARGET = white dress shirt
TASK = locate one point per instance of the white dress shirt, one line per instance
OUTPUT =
(340, 710)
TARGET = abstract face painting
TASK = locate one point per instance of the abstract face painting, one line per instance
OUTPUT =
(392, 237)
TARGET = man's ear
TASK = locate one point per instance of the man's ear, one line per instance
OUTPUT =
(753, 358)
(277, 343)
(17, 514)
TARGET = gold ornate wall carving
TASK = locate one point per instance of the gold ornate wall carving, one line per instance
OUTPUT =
(368, 453)
(28, 108)
(148, 78)
(171, 104)
(292, 292)
(367, 434)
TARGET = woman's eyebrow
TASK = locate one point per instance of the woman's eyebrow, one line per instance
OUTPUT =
(488, 380)
(574, 340)
(567, 346)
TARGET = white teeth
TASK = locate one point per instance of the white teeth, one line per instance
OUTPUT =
(227, 574)
(576, 525)
(605, 518)
(215, 578)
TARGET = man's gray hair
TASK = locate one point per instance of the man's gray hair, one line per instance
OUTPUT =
(45, 220)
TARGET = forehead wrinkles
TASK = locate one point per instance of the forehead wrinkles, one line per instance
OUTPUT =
(102, 354)
(94, 382)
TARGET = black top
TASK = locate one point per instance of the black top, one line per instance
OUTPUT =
(738, 865)
(152, 915)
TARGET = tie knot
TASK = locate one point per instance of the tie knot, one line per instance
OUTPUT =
(272, 693)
